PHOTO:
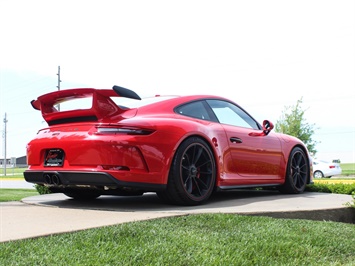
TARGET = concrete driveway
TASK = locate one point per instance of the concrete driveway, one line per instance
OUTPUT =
(55, 213)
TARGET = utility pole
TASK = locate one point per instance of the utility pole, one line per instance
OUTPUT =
(5, 132)
(59, 81)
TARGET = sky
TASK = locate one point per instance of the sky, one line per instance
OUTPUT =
(263, 55)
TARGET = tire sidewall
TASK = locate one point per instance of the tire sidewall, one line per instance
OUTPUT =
(289, 186)
(176, 174)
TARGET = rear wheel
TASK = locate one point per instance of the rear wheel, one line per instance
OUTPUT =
(297, 172)
(192, 174)
(81, 194)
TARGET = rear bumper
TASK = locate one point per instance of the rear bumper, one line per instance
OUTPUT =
(92, 179)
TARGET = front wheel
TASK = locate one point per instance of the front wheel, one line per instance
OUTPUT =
(297, 172)
(192, 174)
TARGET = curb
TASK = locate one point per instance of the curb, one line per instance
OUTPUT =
(342, 215)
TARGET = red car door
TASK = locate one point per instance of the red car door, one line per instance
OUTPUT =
(253, 155)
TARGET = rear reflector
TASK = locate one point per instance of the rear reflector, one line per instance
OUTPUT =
(114, 167)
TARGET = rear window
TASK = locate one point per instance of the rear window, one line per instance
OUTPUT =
(75, 104)
(127, 103)
(85, 103)
(194, 109)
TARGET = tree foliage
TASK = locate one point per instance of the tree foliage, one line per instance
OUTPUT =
(292, 122)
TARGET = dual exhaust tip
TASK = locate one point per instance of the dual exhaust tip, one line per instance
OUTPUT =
(52, 179)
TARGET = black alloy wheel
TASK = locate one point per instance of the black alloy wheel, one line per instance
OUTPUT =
(297, 172)
(192, 174)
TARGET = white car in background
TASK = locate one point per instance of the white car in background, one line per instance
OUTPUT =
(323, 168)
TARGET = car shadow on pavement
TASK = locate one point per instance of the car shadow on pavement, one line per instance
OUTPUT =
(226, 201)
(309, 205)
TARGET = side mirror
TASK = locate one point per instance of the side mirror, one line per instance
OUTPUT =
(267, 126)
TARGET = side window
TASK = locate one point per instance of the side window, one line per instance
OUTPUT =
(194, 109)
(228, 113)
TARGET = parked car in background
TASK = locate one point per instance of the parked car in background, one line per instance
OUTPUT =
(323, 168)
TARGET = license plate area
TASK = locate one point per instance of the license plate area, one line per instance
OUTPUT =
(54, 157)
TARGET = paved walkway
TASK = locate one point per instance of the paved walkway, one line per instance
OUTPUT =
(15, 183)
(55, 213)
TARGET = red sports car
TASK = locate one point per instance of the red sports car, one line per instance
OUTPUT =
(181, 147)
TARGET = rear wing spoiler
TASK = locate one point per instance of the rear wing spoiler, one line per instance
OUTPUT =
(102, 105)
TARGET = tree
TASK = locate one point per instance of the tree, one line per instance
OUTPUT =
(292, 122)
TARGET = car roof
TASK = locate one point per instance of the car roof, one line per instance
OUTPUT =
(169, 101)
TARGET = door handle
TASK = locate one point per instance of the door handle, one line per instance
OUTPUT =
(235, 140)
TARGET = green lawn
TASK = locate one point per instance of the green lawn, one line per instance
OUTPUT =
(15, 176)
(204, 239)
(11, 194)
(348, 168)
(12, 171)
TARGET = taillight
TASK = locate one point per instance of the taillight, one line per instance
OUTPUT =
(331, 166)
(105, 130)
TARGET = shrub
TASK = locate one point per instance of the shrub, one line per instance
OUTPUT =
(338, 188)
(42, 189)
(318, 188)
(352, 204)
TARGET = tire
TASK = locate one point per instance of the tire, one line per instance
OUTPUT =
(192, 174)
(318, 174)
(297, 173)
(81, 194)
